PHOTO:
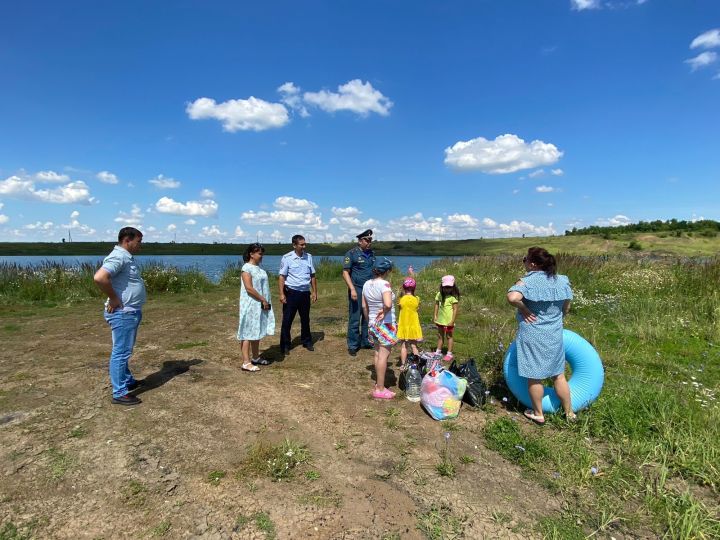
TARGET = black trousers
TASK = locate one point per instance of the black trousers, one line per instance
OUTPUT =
(297, 302)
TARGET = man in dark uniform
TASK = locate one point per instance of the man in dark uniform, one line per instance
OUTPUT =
(357, 269)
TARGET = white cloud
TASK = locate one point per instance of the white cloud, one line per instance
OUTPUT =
(355, 96)
(348, 211)
(212, 231)
(74, 192)
(506, 154)
(287, 218)
(206, 208)
(277, 236)
(161, 182)
(40, 226)
(463, 221)
(172, 227)
(515, 191)
(207, 194)
(4, 219)
(557, 172)
(580, 5)
(417, 226)
(291, 203)
(78, 229)
(106, 177)
(51, 176)
(250, 114)
(707, 40)
(523, 227)
(190, 222)
(615, 221)
(489, 223)
(133, 218)
(535, 174)
(702, 60)
(545, 189)
(353, 223)
(24, 188)
(459, 226)
(239, 232)
(291, 98)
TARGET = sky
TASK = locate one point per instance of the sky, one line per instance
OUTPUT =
(234, 121)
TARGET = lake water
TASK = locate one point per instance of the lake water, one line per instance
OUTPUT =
(211, 265)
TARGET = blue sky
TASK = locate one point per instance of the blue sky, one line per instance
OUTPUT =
(229, 121)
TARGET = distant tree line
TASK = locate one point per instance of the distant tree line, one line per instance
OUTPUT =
(670, 226)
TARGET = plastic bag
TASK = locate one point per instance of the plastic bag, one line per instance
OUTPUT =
(429, 361)
(475, 393)
(441, 394)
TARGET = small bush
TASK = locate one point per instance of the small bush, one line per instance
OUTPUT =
(634, 245)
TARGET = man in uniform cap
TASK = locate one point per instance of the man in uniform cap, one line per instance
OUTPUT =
(357, 269)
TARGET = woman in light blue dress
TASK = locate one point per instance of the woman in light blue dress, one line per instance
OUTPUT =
(542, 298)
(257, 319)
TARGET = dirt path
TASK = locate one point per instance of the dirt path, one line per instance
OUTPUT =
(73, 465)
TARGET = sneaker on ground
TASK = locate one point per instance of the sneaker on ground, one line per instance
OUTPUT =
(448, 357)
(127, 399)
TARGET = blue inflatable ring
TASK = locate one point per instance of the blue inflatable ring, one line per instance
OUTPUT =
(585, 382)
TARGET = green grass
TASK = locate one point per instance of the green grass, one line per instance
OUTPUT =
(214, 477)
(664, 242)
(439, 523)
(161, 529)
(265, 525)
(59, 463)
(279, 461)
(49, 283)
(134, 494)
(10, 531)
(653, 433)
(262, 522)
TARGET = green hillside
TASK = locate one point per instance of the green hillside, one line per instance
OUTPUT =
(686, 244)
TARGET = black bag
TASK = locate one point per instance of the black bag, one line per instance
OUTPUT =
(475, 393)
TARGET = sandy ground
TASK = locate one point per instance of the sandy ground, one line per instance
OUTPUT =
(73, 465)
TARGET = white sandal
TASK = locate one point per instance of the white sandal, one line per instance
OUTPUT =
(250, 367)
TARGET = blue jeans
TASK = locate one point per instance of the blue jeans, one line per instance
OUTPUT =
(357, 331)
(124, 326)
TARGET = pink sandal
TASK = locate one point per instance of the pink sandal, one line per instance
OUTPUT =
(383, 394)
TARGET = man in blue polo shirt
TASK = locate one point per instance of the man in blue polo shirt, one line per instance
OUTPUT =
(357, 269)
(119, 278)
(298, 288)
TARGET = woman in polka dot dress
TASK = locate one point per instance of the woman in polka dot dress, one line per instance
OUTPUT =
(542, 298)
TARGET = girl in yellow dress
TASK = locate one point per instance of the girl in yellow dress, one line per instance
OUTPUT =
(409, 331)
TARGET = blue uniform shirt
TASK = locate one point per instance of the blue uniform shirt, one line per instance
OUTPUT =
(360, 264)
(125, 278)
(297, 271)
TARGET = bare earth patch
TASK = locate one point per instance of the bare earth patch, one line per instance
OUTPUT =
(72, 465)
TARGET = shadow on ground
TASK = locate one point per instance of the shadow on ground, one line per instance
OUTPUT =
(169, 369)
